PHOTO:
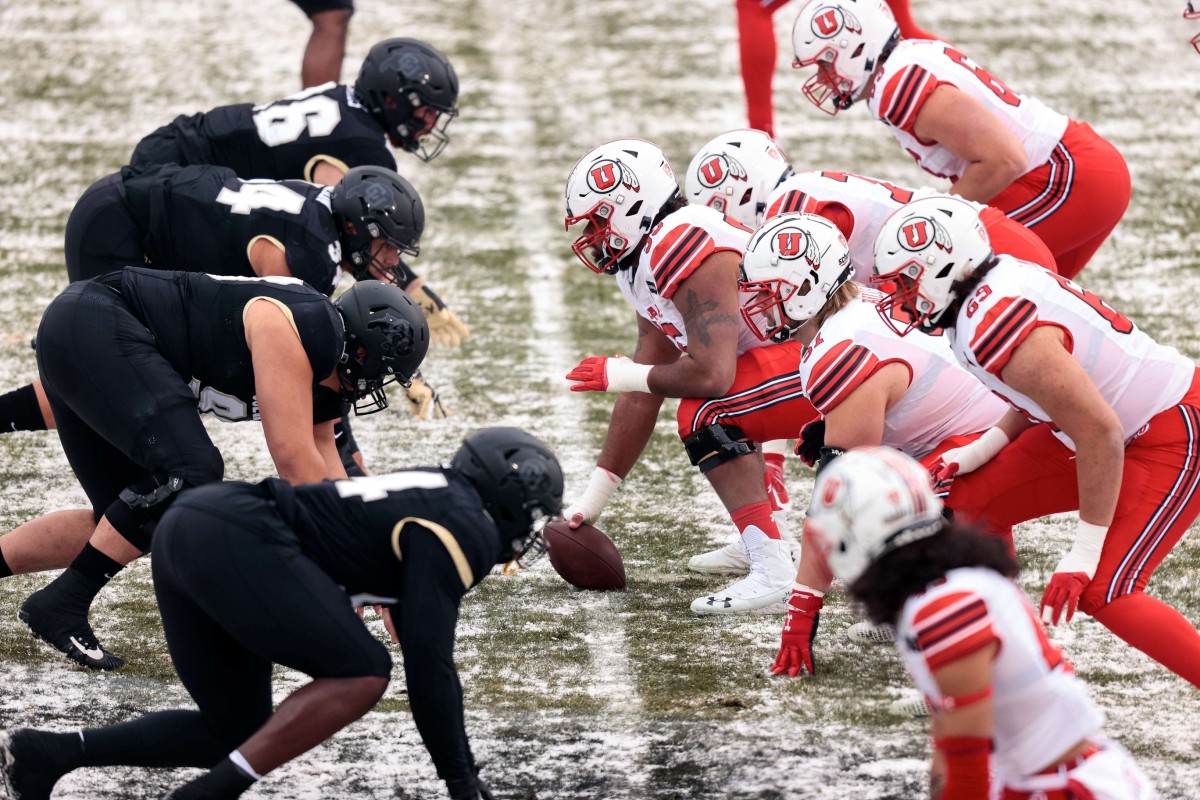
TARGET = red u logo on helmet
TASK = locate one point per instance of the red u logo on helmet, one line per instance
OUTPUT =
(711, 172)
(826, 23)
(787, 243)
(603, 176)
(916, 234)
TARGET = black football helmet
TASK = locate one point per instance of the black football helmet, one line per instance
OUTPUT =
(386, 340)
(370, 203)
(400, 78)
(520, 481)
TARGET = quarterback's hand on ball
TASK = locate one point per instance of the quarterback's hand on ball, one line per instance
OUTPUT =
(445, 328)
(424, 402)
(1073, 573)
(615, 374)
(799, 630)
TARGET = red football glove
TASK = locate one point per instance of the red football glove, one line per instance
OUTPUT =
(1061, 593)
(942, 474)
(799, 630)
(591, 375)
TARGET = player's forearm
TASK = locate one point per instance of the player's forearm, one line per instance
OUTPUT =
(693, 377)
(983, 180)
(633, 419)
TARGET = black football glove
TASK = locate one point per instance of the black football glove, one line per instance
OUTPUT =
(812, 439)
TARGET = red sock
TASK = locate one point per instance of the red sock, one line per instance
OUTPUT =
(908, 28)
(1158, 630)
(759, 515)
(756, 44)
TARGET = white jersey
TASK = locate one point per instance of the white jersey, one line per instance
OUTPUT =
(674, 249)
(918, 66)
(1137, 376)
(1041, 708)
(942, 398)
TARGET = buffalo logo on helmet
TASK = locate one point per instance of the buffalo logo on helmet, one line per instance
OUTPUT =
(832, 20)
(717, 168)
(919, 232)
(607, 174)
(409, 64)
(792, 243)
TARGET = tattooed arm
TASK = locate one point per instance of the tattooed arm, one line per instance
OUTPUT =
(708, 300)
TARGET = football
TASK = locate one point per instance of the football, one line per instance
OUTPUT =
(585, 557)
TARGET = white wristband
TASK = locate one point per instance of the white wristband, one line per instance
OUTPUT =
(1084, 555)
(242, 764)
(625, 375)
(600, 488)
(800, 587)
(991, 443)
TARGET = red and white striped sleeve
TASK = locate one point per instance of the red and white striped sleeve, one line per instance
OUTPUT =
(791, 201)
(1001, 330)
(952, 626)
(904, 94)
(838, 372)
(676, 256)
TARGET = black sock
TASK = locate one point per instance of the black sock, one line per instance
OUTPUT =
(162, 739)
(20, 411)
(78, 585)
(5, 569)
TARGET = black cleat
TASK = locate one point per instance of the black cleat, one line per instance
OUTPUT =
(30, 763)
(67, 633)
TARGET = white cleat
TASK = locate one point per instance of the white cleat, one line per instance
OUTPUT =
(768, 584)
(912, 708)
(869, 633)
(732, 559)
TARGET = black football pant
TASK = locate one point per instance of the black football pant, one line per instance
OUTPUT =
(102, 234)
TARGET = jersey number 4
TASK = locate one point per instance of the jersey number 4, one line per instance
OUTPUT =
(252, 195)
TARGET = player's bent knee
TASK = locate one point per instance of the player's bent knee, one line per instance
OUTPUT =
(716, 444)
(136, 511)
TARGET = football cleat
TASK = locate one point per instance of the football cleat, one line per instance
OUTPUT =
(911, 707)
(732, 559)
(768, 584)
(67, 633)
(869, 633)
(28, 766)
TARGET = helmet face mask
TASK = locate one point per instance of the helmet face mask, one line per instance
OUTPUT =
(374, 208)
(520, 483)
(619, 189)
(413, 89)
(735, 172)
(792, 266)
(846, 40)
(386, 341)
(921, 251)
(867, 503)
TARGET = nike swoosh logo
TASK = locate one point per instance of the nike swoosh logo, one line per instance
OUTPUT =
(95, 653)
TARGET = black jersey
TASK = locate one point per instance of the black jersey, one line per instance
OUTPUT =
(351, 528)
(278, 141)
(204, 219)
(198, 326)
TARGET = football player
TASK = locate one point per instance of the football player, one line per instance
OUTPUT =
(303, 557)
(1102, 418)
(871, 386)
(406, 94)
(124, 359)
(206, 219)
(745, 174)
(327, 44)
(1007, 709)
(676, 265)
(757, 51)
(1052, 174)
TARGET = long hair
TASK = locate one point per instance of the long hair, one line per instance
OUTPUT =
(963, 288)
(883, 587)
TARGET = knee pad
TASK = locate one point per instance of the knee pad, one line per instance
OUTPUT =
(712, 446)
(137, 510)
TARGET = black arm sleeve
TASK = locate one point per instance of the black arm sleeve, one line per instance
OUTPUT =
(428, 610)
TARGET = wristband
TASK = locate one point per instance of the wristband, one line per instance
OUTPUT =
(627, 376)
(800, 587)
(600, 488)
(990, 443)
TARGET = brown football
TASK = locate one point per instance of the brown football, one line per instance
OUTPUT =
(585, 557)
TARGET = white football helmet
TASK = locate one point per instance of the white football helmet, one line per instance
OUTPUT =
(618, 188)
(921, 250)
(793, 264)
(846, 40)
(735, 172)
(867, 503)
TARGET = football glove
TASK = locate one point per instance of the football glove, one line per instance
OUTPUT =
(812, 439)
(445, 328)
(799, 630)
(424, 402)
(1073, 573)
(616, 374)
(969, 457)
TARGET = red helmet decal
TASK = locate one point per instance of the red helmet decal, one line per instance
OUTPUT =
(712, 172)
(829, 490)
(914, 234)
(602, 177)
(827, 22)
(788, 243)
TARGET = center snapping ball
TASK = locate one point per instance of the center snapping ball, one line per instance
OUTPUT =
(585, 557)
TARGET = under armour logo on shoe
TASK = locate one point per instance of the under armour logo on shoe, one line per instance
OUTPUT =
(724, 601)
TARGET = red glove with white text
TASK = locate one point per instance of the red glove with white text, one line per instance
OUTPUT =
(616, 374)
(1073, 573)
(799, 631)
